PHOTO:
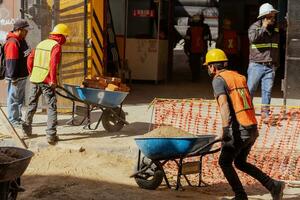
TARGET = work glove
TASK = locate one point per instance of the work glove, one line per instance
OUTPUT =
(227, 134)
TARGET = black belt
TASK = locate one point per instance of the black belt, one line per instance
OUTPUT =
(266, 63)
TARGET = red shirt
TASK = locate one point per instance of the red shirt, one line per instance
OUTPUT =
(54, 61)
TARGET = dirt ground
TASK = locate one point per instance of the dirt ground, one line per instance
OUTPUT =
(62, 174)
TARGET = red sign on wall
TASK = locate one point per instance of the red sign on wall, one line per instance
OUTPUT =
(143, 13)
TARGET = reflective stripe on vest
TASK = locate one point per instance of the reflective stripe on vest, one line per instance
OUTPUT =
(197, 41)
(264, 45)
(240, 97)
(230, 42)
(275, 29)
(41, 63)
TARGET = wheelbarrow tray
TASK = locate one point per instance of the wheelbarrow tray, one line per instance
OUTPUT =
(172, 148)
(95, 96)
(73, 91)
(14, 169)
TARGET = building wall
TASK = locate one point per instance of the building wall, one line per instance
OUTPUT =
(8, 15)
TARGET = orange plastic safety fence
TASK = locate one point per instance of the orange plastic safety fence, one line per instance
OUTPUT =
(276, 151)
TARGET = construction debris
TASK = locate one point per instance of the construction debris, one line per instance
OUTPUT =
(107, 83)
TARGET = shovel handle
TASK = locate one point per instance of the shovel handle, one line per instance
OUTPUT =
(11, 129)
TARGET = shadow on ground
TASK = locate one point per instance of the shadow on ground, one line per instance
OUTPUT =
(133, 129)
(67, 187)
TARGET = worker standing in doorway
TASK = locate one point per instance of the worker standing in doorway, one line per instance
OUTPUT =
(264, 55)
(43, 66)
(239, 126)
(198, 36)
(228, 41)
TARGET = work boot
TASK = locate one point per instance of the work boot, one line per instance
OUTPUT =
(277, 190)
(27, 129)
(52, 139)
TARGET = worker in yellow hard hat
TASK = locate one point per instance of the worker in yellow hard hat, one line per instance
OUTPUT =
(239, 125)
(43, 64)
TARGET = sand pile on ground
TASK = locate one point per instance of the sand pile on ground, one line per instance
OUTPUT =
(168, 131)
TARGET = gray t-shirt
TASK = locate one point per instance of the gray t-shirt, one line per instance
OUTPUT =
(220, 87)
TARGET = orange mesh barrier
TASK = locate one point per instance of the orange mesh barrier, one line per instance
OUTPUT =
(276, 151)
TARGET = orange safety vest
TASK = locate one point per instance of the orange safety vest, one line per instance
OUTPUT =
(230, 43)
(240, 97)
(197, 42)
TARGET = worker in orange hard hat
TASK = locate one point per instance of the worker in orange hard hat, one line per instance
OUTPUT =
(228, 41)
(197, 37)
(239, 126)
(43, 64)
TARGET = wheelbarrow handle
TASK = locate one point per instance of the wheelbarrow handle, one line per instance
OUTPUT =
(68, 95)
(196, 152)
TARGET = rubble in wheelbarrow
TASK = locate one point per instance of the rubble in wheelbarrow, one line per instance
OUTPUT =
(167, 132)
(107, 83)
(8, 155)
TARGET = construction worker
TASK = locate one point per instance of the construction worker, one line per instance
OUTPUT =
(197, 37)
(239, 126)
(228, 41)
(16, 51)
(43, 66)
(264, 55)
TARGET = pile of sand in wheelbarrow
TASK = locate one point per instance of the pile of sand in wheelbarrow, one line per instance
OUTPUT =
(168, 131)
(8, 155)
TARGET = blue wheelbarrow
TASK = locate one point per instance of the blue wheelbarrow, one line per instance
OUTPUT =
(110, 102)
(158, 151)
(11, 169)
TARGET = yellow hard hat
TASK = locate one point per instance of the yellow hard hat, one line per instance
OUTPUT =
(215, 55)
(62, 29)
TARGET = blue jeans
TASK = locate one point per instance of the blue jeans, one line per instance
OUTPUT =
(15, 100)
(261, 73)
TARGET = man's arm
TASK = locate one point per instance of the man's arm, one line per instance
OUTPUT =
(225, 115)
(187, 42)
(55, 61)
(256, 33)
(30, 61)
(11, 55)
(220, 90)
(224, 109)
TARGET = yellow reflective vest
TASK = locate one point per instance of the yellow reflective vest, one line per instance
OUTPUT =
(41, 62)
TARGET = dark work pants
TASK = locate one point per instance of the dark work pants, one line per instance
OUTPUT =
(237, 150)
(49, 94)
(195, 65)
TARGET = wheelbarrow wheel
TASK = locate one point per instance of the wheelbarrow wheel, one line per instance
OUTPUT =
(151, 178)
(111, 122)
(8, 190)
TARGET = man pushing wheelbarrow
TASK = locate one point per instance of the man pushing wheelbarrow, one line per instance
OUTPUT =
(239, 126)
